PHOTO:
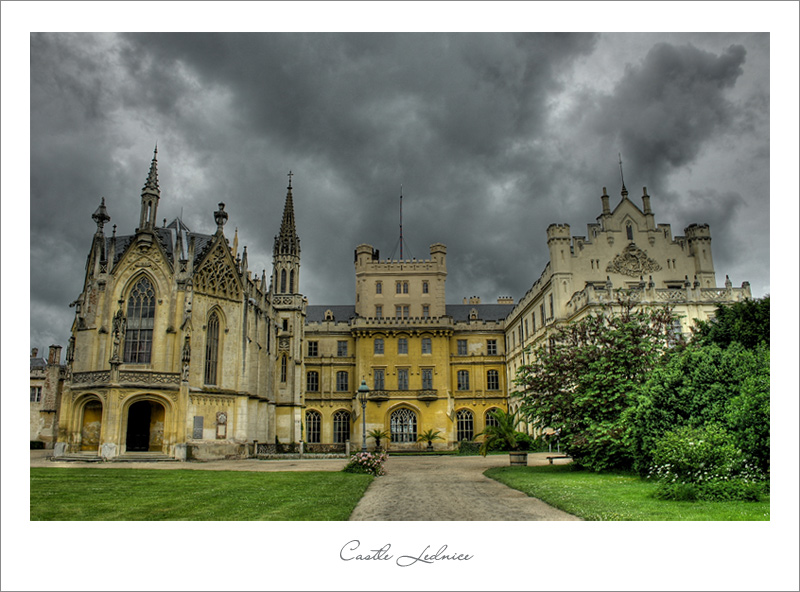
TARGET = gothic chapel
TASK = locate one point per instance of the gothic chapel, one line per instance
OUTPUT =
(176, 349)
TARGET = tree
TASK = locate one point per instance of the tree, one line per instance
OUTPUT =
(745, 322)
(700, 386)
(588, 375)
(502, 432)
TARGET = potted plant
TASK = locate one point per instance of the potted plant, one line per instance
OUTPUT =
(504, 432)
(429, 436)
(378, 435)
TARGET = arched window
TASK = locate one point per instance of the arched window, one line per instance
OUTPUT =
(212, 349)
(404, 426)
(341, 427)
(465, 425)
(283, 368)
(283, 281)
(491, 420)
(629, 229)
(140, 316)
(313, 423)
(312, 381)
(291, 282)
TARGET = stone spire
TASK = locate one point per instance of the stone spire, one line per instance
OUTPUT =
(150, 196)
(151, 184)
(287, 242)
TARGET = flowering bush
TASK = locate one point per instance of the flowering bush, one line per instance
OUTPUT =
(366, 462)
(703, 464)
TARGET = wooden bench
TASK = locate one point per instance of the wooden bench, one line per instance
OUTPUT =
(551, 458)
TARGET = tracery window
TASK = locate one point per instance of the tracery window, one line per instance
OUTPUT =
(491, 420)
(140, 318)
(212, 349)
(403, 426)
(313, 425)
(465, 425)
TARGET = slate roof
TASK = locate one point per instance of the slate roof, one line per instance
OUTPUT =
(37, 363)
(316, 313)
(486, 312)
(167, 237)
(459, 312)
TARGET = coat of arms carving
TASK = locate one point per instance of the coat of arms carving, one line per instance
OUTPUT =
(633, 262)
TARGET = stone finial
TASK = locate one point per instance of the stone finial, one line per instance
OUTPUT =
(604, 199)
(220, 217)
(646, 201)
(100, 215)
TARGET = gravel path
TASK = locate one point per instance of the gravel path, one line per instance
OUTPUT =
(450, 488)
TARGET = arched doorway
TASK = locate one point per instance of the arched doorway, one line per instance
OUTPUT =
(90, 425)
(145, 427)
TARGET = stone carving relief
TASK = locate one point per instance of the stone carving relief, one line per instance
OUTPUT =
(216, 277)
(633, 262)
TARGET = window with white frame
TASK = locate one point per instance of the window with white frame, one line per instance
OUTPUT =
(492, 380)
(378, 377)
(341, 349)
(463, 380)
(403, 426)
(342, 382)
(313, 427)
(491, 347)
(465, 425)
(312, 381)
(341, 426)
(402, 345)
(462, 347)
(36, 394)
(427, 348)
(402, 379)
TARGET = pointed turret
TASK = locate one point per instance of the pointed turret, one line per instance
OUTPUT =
(150, 196)
(287, 243)
(286, 252)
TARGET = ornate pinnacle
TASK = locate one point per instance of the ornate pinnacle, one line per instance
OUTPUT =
(100, 215)
(151, 185)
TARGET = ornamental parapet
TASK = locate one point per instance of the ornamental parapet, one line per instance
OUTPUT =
(592, 295)
(426, 395)
(127, 378)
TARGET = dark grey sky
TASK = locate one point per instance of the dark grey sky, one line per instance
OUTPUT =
(492, 136)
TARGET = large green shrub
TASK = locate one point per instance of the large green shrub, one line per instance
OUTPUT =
(704, 385)
(703, 463)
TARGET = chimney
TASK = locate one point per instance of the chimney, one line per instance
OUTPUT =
(54, 358)
(34, 352)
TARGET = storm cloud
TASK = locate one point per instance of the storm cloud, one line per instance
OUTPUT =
(491, 136)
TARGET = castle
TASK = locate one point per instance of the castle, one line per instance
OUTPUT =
(179, 351)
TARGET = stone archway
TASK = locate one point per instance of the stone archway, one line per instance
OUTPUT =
(145, 431)
(91, 422)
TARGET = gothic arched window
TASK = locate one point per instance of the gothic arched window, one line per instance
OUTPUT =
(291, 282)
(404, 426)
(313, 423)
(283, 281)
(465, 425)
(140, 316)
(212, 349)
(629, 229)
(341, 427)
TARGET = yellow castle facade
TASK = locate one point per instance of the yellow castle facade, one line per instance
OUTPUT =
(177, 350)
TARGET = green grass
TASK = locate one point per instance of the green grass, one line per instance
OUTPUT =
(152, 494)
(616, 496)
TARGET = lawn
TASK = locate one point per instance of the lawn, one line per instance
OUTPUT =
(152, 494)
(617, 496)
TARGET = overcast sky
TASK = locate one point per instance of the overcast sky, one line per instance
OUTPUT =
(492, 136)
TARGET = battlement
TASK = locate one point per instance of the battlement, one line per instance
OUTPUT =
(697, 231)
(558, 231)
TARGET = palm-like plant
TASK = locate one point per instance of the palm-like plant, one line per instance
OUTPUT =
(504, 430)
(378, 435)
(429, 436)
